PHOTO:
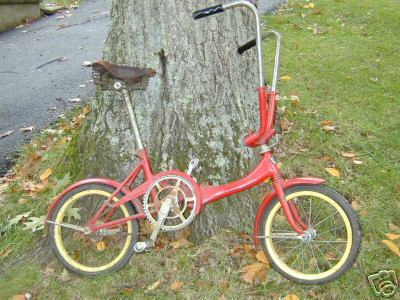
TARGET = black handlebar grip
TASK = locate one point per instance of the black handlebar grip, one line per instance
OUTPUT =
(202, 13)
(246, 46)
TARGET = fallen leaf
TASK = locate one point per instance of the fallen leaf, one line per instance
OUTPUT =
(18, 297)
(7, 133)
(5, 252)
(363, 213)
(176, 286)
(292, 297)
(331, 256)
(101, 246)
(392, 236)
(355, 205)
(295, 100)
(154, 285)
(261, 257)
(65, 277)
(308, 5)
(318, 30)
(285, 124)
(46, 174)
(286, 77)
(16, 219)
(334, 172)
(224, 285)
(35, 223)
(254, 273)
(327, 122)
(181, 243)
(392, 246)
(329, 128)
(23, 201)
(358, 162)
(348, 154)
(26, 129)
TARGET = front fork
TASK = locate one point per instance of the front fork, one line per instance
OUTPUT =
(289, 207)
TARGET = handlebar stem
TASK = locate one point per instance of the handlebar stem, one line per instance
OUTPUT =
(252, 7)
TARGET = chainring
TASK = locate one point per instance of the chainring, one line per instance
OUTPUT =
(185, 201)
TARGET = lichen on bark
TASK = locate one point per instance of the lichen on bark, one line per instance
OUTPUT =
(200, 104)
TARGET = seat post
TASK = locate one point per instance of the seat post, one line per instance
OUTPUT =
(132, 119)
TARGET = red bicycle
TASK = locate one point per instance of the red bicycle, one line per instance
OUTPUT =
(308, 231)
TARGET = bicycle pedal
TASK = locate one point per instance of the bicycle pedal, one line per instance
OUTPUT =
(143, 246)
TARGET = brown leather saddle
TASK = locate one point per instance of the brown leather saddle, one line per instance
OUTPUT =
(106, 74)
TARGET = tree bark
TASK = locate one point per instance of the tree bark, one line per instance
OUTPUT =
(200, 104)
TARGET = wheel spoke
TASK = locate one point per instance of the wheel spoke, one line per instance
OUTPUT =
(336, 212)
(309, 216)
(319, 250)
(316, 261)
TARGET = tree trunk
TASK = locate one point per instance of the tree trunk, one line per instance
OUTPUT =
(200, 104)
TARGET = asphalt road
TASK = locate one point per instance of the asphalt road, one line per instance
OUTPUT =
(41, 69)
(31, 95)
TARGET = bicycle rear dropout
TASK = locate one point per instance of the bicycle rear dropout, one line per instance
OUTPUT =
(308, 231)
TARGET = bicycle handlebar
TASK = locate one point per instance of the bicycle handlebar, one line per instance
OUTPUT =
(205, 12)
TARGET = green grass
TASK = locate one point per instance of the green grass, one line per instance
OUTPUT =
(349, 74)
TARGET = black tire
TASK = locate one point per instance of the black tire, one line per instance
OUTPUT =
(351, 216)
(130, 249)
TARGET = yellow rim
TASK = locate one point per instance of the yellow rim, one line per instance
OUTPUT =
(284, 267)
(60, 244)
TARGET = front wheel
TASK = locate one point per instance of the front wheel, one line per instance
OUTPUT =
(330, 244)
(95, 253)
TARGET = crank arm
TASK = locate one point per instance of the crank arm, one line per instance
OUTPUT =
(70, 226)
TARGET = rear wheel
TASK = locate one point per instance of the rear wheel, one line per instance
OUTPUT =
(327, 249)
(95, 253)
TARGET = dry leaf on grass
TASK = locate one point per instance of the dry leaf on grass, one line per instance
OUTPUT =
(308, 5)
(329, 128)
(327, 122)
(355, 205)
(23, 201)
(286, 77)
(392, 246)
(176, 286)
(334, 172)
(358, 162)
(224, 285)
(261, 257)
(18, 297)
(46, 174)
(392, 236)
(348, 154)
(292, 297)
(100, 246)
(154, 285)
(5, 252)
(65, 277)
(181, 243)
(254, 273)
